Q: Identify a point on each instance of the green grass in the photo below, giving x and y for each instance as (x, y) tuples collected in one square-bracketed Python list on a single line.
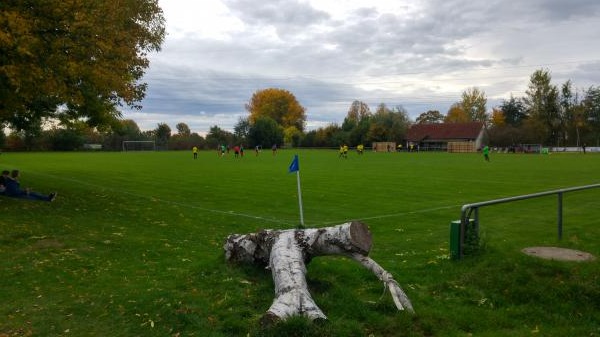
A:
[(132, 246)]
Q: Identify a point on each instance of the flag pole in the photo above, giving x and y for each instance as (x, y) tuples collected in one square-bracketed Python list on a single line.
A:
[(300, 200), (295, 167)]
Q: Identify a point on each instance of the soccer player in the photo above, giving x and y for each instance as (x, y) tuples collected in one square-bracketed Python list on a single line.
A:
[(360, 148), (486, 153), (195, 152)]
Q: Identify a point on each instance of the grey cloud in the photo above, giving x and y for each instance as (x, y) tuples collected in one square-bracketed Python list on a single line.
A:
[(565, 10), (467, 15), (587, 74), (284, 15), (327, 63), (209, 93)]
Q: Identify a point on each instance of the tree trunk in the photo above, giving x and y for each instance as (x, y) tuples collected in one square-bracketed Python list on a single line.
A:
[(285, 252)]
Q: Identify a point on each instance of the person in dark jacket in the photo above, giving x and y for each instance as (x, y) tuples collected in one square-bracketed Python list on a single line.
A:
[(3, 178), (13, 189)]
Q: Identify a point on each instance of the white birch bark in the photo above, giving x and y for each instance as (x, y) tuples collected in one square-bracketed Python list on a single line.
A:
[(289, 276), (285, 252), (400, 299)]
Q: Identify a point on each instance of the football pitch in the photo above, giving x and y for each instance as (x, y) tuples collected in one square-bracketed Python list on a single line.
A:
[(132, 246)]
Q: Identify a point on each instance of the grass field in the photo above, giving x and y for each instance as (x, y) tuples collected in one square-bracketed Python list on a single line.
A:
[(132, 246)]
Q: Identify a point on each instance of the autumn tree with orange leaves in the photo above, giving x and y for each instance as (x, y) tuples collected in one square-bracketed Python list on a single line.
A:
[(456, 114), (279, 105), (87, 56)]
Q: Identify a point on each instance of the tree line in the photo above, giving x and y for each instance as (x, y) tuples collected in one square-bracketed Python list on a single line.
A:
[(547, 114)]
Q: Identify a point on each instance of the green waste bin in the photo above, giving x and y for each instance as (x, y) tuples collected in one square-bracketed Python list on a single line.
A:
[(455, 240), (471, 239)]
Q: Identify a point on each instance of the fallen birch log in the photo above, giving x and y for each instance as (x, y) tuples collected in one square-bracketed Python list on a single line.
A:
[(286, 253)]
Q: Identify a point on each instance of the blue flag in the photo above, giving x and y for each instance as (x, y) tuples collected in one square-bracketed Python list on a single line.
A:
[(294, 166)]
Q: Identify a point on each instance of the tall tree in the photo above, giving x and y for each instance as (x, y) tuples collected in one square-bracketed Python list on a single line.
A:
[(358, 111), (292, 136), (567, 103), (591, 104), (541, 102), (184, 138), (514, 111), (330, 135), (356, 123), (265, 132), (75, 53), (359, 134), (456, 114), (217, 136), (162, 134), (279, 105), (474, 104), (129, 129), (430, 117), (95, 109), (122, 129), (388, 125), (183, 130), (241, 129), (497, 118)]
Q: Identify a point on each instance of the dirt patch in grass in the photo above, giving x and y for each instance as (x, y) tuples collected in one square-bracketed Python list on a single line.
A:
[(557, 253), (47, 243)]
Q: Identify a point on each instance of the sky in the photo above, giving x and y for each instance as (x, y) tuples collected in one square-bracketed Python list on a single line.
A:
[(416, 54)]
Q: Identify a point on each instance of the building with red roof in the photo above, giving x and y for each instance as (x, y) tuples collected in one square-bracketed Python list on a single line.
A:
[(436, 136)]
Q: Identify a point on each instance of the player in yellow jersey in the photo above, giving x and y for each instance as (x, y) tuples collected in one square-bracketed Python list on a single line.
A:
[(360, 149)]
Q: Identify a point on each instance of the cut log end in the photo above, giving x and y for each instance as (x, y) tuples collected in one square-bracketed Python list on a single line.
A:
[(361, 237), (269, 319)]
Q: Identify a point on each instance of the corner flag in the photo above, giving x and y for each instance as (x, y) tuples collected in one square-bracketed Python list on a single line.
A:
[(294, 166)]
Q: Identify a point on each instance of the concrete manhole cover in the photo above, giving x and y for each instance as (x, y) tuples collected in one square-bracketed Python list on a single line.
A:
[(556, 253)]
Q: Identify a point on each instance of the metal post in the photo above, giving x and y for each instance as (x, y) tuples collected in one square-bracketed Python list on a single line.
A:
[(300, 200), (560, 217), (477, 221), (467, 209), (461, 239)]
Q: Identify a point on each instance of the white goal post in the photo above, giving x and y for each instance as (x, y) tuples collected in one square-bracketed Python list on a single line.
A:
[(531, 148), (139, 145)]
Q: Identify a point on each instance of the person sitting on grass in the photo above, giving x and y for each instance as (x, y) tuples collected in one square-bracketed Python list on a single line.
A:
[(13, 189), (3, 179)]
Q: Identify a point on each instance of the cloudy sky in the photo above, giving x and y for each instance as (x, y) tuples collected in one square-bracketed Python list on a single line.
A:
[(418, 54)]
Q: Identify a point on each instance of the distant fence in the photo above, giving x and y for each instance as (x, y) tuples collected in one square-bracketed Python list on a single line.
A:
[(384, 146), (461, 147), (575, 149), (468, 209), (92, 146)]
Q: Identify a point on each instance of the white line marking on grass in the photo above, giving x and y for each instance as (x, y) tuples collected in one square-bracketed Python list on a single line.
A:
[(426, 210), (231, 213), (236, 214)]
